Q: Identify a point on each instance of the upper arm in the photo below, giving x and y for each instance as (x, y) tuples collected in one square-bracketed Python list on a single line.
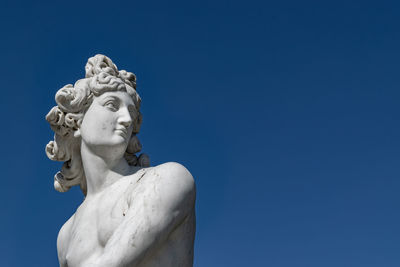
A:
[(158, 206), (177, 189), (168, 199)]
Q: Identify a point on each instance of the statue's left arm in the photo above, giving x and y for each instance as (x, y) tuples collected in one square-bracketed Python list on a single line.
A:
[(163, 205)]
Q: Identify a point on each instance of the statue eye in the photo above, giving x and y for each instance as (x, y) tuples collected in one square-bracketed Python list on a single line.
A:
[(111, 105)]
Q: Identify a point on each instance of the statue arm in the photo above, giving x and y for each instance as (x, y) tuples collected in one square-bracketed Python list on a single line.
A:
[(62, 240), (166, 202)]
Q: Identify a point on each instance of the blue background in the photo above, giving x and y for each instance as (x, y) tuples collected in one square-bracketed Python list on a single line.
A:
[(285, 112)]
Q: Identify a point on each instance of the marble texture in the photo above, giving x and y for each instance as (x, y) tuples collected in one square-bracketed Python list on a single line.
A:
[(132, 214)]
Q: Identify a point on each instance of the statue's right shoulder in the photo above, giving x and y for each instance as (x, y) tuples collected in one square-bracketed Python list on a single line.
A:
[(63, 240)]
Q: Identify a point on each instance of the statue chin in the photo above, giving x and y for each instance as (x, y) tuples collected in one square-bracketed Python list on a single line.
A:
[(108, 152), (132, 214)]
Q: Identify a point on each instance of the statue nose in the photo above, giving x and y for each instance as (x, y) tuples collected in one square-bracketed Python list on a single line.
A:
[(125, 118), (125, 123)]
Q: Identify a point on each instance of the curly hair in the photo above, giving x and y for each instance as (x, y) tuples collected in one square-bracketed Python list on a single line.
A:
[(73, 101)]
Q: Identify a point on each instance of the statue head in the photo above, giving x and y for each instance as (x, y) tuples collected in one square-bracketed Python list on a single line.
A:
[(73, 101)]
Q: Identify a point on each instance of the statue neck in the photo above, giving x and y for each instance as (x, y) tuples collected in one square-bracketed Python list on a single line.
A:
[(101, 172)]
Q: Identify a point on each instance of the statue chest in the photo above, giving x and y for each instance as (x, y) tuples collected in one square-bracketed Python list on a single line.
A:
[(93, 226)]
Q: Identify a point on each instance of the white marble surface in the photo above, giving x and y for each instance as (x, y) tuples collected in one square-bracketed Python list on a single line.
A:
[(132, 214)]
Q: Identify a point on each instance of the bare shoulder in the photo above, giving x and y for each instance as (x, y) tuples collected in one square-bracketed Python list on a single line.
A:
[(64, 231), (175, 184), (175, 176), (174, 172), (62, 239)]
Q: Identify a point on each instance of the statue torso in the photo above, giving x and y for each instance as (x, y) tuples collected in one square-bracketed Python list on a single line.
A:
[(87, 232)]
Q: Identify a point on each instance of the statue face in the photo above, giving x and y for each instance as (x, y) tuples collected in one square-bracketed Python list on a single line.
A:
[(107, 124)]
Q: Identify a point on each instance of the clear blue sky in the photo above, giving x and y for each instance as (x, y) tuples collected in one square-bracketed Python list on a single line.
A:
[(286, 113)]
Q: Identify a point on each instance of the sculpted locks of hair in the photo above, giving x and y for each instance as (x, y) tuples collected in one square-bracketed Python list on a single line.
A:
[(102, 75)]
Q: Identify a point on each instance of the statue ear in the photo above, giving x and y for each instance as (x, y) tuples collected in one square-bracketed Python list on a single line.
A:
[(77, 133)]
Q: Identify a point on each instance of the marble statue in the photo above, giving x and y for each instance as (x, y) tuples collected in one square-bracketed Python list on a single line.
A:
[(132, 214)]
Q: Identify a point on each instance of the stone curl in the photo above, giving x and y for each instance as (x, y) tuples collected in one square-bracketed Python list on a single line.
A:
[(102, 76)]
